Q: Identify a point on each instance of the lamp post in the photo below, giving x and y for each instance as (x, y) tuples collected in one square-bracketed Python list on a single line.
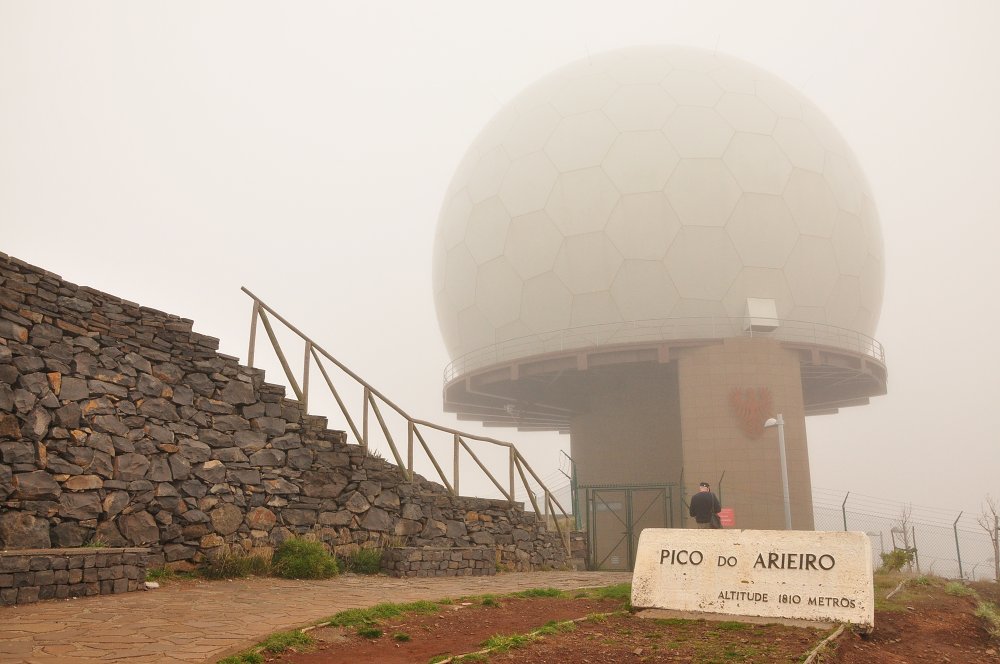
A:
[(779, 422)]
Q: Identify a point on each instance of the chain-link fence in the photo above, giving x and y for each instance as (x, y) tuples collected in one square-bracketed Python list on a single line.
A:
[(947, 543)]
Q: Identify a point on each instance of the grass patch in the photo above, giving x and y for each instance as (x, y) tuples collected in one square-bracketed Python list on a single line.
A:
[(554, 627), (474, 657), (379, 612), (672, 622), (989, 612), (243, 658), (958, 589), (597, 617), (229, 565), (300, 559), (622, 591), (732, 626), (490, 600), (402, 637), (538, 592), (503, 643), (366, 560), (96, 543), (282, 641), (369, 632), (274, 645)]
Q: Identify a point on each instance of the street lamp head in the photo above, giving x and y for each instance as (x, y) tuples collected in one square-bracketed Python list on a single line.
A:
[(771, 422)]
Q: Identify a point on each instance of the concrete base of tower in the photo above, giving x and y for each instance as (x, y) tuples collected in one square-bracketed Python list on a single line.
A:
[(698, 419)]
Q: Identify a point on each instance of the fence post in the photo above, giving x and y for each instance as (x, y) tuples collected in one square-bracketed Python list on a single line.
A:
[(511, 450), (996, 557), (409, 448), (843, 510), (958, 551)]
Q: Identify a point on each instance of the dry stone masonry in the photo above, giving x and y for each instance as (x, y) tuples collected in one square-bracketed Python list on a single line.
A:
[(120, 424), (28, 575)]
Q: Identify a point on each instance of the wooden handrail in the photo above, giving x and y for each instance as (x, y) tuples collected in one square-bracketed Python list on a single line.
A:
[(518, 466)]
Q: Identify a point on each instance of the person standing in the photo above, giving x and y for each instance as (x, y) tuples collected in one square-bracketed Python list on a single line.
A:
[(705, 507)]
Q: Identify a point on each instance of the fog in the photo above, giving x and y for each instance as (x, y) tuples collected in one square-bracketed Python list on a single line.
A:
[(170, 153)]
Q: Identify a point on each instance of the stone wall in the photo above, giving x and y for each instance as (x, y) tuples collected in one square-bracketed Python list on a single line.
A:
[(32, 574), (119, 423), (432, 561)]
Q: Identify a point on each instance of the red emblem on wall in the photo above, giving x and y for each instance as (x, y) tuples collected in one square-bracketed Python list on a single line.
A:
[(752, 406)]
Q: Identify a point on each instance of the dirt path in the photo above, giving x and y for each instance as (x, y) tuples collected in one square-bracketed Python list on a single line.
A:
[(923, 623)]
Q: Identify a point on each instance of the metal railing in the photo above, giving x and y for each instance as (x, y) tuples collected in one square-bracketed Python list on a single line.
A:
[(656, 330), (517, 465)]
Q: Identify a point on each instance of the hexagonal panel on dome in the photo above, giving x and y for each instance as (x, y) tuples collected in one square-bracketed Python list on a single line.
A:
[(640, 161), (872, 280), (581, 141), (703, 263), (734, 78), (695, 308), (844, 302), (587, 263), (746, 112), (779, 96), (528, 184), (533, 242), (849, 244), (487, 175), (757, 163), (459, 277), (586, 93), (692, 88), (486, 233), (582, 201), (840, 174), (475, 329), (812, 271), (531, 131), (642, 290), (498, 292), (762, 283), (593, 309), (643, 225), (800, 144), (698, 132), (703, 192), (545, 303), (639, 107), (809, 198), (454, 218), (763, 230)]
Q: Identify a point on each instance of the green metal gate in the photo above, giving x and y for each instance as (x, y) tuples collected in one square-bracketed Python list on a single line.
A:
[(616, 514)]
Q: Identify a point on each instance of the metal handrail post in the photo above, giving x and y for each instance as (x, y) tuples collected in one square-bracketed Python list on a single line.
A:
[(511, 462), (409, 448), (364, 421), (843, 510), (253, 333), (305, 377), (458, 441)]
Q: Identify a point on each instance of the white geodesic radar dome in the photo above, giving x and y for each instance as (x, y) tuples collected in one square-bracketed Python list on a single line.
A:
[(654, 183)]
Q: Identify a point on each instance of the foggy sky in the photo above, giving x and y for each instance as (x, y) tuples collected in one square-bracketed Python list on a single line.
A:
[(171, 152)]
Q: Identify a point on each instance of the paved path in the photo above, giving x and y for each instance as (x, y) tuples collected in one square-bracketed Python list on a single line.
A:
[(199, 621)]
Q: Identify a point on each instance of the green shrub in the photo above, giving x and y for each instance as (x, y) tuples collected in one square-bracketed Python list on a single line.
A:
[(989, 612), (897, 559), (300, 559), (369, 632), (366, 560), (401, 637), (229, 565), (958, 589)]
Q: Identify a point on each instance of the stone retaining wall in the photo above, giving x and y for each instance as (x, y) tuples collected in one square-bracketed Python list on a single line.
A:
[(118, 423), (32, 574), (433, 561)]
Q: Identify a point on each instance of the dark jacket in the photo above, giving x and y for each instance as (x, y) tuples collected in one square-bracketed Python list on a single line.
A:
[(703, 505)]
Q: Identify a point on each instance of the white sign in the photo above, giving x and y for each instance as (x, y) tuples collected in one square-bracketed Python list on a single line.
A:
[(821, 576)]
